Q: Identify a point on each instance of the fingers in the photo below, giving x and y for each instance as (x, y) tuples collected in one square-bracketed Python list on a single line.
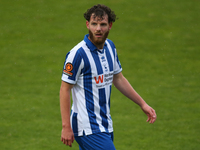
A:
[(152, 116), (67, 136), (68, 142), (149, 118)]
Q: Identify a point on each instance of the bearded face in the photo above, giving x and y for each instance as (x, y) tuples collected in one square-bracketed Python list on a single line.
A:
[(98, 30), (98, 38)]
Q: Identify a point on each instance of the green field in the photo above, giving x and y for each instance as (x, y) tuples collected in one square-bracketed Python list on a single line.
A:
[(158, 44)]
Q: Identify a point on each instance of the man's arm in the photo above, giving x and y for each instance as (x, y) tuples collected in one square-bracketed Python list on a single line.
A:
[(67, 136), (122, 84)]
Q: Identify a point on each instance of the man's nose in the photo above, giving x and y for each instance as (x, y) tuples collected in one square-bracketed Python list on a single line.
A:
[(98, 27)]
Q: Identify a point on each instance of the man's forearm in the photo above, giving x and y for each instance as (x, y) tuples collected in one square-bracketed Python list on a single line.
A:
[(122, 84), (67, 135), (65, 105)]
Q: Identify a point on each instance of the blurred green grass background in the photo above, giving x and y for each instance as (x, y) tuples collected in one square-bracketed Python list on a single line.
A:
[(159, 49)]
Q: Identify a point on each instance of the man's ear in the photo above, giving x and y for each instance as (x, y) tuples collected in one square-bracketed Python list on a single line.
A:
[(110, 25), (87, 24)]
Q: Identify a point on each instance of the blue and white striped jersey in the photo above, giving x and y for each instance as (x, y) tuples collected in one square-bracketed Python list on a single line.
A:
[(91, 71)]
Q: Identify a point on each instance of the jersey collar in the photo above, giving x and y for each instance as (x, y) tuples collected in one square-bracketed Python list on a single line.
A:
[(90, 45)]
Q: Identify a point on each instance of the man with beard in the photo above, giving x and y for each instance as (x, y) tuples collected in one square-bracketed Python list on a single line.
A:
[(89, 71)]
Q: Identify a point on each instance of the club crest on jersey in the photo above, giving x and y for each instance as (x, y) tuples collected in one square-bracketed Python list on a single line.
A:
[(68, 68)]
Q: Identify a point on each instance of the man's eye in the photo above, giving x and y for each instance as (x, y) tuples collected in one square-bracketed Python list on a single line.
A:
[(103, 24)]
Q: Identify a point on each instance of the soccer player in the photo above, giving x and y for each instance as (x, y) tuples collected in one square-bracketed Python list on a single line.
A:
[(89, 71)]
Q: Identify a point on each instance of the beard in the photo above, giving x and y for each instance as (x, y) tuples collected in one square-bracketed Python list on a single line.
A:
[(98, 40)]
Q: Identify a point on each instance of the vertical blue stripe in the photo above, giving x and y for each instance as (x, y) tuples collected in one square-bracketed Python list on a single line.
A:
[(65, 61), (76, 63), (109, 58), (109, 96), (102, 93), (114, 53), (97, 62), (103, 110), (118, 62), (89, 93), (74, 123), (112, 46)]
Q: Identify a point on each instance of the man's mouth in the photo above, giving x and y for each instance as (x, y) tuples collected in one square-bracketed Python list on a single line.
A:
[(98, 35)]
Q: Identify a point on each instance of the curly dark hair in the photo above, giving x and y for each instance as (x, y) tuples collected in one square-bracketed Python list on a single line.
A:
[(100, 10)]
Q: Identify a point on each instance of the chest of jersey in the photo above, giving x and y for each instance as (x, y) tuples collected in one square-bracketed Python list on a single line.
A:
[(99, 68)]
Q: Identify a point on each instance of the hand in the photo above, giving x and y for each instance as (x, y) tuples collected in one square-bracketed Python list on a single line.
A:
[(150, 112), (67, 136)]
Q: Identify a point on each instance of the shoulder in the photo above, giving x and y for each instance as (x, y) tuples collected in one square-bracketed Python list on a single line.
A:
[(77, 50), (78, 47), (108, 41)]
